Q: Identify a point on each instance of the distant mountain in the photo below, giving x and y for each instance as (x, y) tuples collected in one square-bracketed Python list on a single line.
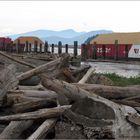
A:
[(81, 38), (47, 33), (65, 36)]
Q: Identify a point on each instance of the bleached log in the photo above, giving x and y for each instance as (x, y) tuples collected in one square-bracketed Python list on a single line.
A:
[(42, 113), (134, 119), (38, 87), (17, 60), (110, 92), (19, 98), (34, 93), (15, 129), (8, 81), (38, 69), (33, 105), (37, 94), (87, 75), (76, 70), (60, 62), (68, 74), (126, 102), (43, 129), (117, 112)]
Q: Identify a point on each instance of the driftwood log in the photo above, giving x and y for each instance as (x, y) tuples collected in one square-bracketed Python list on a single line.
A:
[(33, 93), (17, 60), (8, 81), (15, 129), (110, 92), (68, 74), (75, 70), (37, 87), (60, 63), (42, 113), (87, 75), (117, 113), (41, 132), (38, 70), (33, 105), (23, 95)]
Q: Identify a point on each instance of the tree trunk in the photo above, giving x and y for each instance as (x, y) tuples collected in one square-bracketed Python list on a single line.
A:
[(42, 113), (37, 94), (76, 70), (126, 102), (19, 98), (38, 87), (7, 81), (38, 70), (110, 92), (102, 108), (14, 129), (68, 74), (33, 105), (87, 75), (43, 129), (60, 63), (17, 60), (33, 93)]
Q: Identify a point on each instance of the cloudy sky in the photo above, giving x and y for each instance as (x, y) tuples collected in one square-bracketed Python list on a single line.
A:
[(24, 16)]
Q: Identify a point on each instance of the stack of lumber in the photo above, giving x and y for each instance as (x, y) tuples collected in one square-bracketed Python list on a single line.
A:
[(33, 112)]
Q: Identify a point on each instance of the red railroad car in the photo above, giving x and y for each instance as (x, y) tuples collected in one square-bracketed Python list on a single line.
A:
[(113, 46), (5, 44)]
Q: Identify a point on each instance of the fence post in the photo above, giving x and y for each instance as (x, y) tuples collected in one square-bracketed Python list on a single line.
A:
[(75, 48), (104, 51), (35, 46), (84, 52), (52, 48), (126, 52), (40, 46), (59, 47), (95, 51), (17, 46), (66, 48), (46, 47), (116, 50), (26, 48), (30, 49)]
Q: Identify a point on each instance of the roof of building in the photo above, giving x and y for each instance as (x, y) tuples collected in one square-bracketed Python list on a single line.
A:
[(30, 39), (123, 38)]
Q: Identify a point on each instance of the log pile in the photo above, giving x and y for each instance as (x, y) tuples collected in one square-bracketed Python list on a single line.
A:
[(64, 105)]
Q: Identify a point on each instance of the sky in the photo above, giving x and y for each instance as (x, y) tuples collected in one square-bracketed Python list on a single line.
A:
[(23, 16)]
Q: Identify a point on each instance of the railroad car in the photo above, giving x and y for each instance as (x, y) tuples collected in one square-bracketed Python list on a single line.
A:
[(5, 44), (113, 46)]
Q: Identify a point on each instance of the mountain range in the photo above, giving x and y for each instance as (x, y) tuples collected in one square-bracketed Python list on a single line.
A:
[(65, 36)]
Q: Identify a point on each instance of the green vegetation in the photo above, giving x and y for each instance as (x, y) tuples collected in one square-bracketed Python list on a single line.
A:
[(123, 81)]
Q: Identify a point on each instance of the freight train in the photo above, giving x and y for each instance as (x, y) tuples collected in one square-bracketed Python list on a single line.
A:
[(106, 46), (21, 44), (113, 46), (5, 44)]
